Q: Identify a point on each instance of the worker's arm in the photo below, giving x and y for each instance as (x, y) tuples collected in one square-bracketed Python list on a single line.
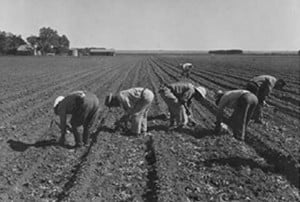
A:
[(63, 123), (188, 93), (221, 107)]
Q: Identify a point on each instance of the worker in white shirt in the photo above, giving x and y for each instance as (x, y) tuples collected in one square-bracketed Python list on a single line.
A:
[(136, 102), (243, 103), (262, 87), (186, 69), (84, 109), (178, 96)]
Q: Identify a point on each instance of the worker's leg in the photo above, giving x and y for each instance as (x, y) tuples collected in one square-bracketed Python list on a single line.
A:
[(144, 121), (141, 109), (136, 122), (183, 118), (172, 103), (172, 117), (77, 137), (90, 124), (252, 108), (237, 118)]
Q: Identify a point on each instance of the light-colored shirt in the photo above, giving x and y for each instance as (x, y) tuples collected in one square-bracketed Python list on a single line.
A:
[(129, 98), (183, 91), (259, 80), (187, 66)]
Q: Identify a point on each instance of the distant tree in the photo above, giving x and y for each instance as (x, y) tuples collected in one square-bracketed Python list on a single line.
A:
[(231, 51), (9, 43), (49, 41), (64, 45), (299, 52), (2, 42), (33, 40)]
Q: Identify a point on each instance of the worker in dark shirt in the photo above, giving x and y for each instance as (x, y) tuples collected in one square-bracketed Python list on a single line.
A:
[(84, 109), (243, 103)]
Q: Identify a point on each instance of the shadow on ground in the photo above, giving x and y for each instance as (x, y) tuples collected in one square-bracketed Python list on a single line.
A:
[(22, 146), (237, 162)]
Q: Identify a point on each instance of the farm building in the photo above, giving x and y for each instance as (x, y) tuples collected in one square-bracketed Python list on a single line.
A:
[(25, 50), (101, 52), (74, 52)]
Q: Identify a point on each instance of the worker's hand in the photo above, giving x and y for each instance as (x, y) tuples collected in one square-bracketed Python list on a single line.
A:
[(122, 123), (181, 101), (265, 104), (188, 112), (217, 128)]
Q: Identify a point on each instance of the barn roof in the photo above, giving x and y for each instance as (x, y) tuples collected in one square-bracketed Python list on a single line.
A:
[(24, 47)]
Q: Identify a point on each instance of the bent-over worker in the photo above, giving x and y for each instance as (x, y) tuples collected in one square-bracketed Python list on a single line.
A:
[(84, 109), (136, 103), (243, 103), (178, 97), (186, 69), (262, 87)]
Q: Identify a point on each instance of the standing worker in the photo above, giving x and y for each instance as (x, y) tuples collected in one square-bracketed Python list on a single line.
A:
[(84, 108), (136, 103), (243, 103), (186, 69), (262, 87), (178, 97)]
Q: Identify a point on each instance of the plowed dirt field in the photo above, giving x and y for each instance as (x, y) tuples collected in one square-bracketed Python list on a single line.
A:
[(185, 165)]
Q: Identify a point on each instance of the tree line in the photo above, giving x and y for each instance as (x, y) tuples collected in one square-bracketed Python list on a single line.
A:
[(47, 41)]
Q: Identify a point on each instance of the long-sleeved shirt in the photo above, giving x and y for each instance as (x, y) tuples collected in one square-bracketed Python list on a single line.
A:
[(129, 99), (183, 91), (186, 66), (78, 104), (229, 99), (260, 80)]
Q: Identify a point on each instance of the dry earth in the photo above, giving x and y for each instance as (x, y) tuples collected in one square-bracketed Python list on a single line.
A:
[(185, 165)]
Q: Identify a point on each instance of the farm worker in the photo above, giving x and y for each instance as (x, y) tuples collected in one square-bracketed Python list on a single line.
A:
[(186, 69), (262, 87), (83, 107), (178, 96), (243, 102), (136, 103)]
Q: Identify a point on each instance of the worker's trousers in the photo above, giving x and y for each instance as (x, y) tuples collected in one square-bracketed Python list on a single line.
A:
[(139, 119), (243, 112), (178, 114)]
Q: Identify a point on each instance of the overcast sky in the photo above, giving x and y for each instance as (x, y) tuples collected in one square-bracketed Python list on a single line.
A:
[(160, 24)]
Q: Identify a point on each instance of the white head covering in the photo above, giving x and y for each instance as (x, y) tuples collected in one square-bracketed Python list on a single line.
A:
[(219, 94), (58, 100), (201, 90)]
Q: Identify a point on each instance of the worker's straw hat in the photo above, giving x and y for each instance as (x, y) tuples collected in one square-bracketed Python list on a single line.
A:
[(201, 90), (108, 100), (58, 100)]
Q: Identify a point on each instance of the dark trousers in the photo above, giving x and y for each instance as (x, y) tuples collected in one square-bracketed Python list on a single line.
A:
[(259, 92), (86, 115), (243, 112)]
